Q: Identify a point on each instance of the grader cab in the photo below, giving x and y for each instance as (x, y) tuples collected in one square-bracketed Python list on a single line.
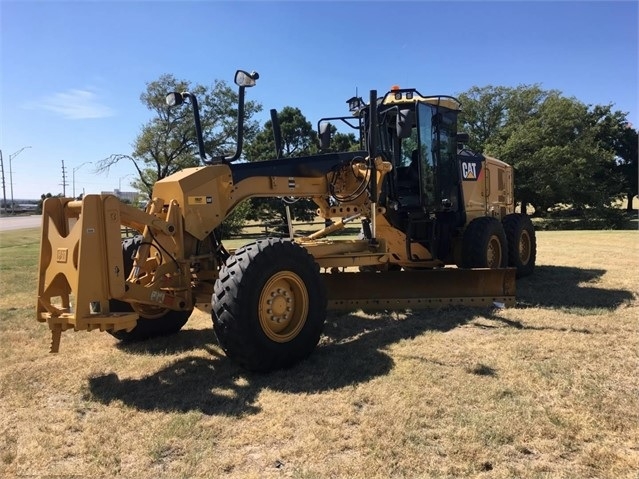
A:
[(437, 223)]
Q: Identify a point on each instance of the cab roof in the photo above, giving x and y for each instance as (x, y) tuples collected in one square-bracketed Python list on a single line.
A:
[(398, 96)]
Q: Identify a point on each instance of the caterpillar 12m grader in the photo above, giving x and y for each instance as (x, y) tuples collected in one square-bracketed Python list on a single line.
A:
[(438, 228)]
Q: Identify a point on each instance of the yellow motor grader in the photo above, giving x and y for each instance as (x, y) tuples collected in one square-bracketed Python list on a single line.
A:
[(437, 225)]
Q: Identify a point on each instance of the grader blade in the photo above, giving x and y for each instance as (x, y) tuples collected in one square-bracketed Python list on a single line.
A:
[(420, 289)]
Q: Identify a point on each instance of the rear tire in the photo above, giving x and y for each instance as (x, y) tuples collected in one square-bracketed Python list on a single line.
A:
[(269, 305), (522, 243), (484, 244), (153, 322)]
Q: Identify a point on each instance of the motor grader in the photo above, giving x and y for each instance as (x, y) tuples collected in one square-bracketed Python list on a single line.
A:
[(437, 228)]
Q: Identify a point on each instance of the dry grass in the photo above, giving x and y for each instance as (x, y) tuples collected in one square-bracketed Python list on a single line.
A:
[(547, 389)]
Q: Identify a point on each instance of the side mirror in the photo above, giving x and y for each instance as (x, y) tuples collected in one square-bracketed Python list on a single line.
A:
[(404, 123), (174, 99), (325, 136), (245, 79)]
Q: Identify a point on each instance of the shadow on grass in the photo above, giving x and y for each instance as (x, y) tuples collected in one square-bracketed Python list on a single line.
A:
[(569, 289), (186, 340), (351, 352)]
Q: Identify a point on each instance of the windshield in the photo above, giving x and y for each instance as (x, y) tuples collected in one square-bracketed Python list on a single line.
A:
[(426, 146)]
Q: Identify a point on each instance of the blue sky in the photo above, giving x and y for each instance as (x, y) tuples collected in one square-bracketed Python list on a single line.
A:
[(72, 72)]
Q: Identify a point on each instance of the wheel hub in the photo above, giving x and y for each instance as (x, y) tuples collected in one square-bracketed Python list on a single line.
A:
[(283, 306), (524, 247), (493, 254)]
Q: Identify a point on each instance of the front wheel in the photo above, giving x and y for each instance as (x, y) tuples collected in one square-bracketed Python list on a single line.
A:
[(269, 305), (153, 321), (522, 243)]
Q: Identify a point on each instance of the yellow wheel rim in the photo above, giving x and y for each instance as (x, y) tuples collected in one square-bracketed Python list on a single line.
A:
[(494, 252), (283, 306), (524, 247)]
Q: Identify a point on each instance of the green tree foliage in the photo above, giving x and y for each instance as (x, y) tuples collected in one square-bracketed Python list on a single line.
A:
[(43, 197), (561, 149), (167, 142), (628, 156), (234, 222), (615, 133), (484, 114), (344, 142)]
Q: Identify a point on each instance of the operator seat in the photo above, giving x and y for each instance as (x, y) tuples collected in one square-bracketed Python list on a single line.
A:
[(408, 181)]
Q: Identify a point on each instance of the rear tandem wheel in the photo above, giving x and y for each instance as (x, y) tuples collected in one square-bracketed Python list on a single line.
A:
[(269, 305), (522, 243), (484, 244)]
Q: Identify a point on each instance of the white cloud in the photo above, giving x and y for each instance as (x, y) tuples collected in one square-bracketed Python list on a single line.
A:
[(74, 104)]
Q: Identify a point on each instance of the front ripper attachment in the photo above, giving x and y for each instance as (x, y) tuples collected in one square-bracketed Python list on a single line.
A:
[(81, 266)]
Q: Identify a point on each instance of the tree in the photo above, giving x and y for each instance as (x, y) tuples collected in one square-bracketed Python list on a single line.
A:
[(627, 163), (484, 113), (616, 134), (167, 143), (344, 142)]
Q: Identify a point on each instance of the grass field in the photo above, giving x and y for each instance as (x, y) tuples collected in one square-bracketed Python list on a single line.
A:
[(544, 390)]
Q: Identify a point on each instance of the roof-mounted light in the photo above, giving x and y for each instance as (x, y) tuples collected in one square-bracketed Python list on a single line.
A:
[(355, 104)]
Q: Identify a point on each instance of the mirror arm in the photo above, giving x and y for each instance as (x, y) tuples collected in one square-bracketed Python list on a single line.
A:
[(277, 133), (240, 128), (198, 125)]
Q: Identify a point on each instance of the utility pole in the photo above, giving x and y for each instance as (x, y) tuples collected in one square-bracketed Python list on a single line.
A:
[(64, 180), (4, 190), (11, 156)]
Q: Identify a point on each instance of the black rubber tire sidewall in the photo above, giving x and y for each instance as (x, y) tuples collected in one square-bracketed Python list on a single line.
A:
[(514, 225), (236, 301)]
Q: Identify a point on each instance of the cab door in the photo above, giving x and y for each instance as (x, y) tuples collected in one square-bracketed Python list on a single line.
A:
[(439, 169)]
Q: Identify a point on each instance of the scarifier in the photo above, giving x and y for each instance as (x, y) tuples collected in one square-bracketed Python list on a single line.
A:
[(438, 228)]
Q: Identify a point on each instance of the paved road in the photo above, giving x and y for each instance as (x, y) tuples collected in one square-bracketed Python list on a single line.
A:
[(20, 222)]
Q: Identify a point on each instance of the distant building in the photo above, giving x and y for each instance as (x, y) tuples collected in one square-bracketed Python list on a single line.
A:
[(129, 196)]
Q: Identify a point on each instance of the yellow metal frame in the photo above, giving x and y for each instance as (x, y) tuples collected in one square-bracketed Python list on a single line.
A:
[(81, 263)]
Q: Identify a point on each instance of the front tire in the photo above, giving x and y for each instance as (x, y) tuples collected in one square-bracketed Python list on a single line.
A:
[(522, 243), (269, 305), (484, 244), (153, 321)]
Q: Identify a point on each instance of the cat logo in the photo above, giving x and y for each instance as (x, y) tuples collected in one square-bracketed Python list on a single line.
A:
[(470, 170)]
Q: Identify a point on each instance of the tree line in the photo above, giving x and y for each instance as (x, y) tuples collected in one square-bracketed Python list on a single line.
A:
[(563, 151)]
